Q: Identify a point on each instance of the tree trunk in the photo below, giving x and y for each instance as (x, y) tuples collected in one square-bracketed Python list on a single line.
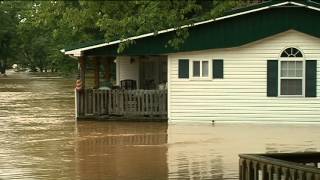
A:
[(3, 64), (33, 68)]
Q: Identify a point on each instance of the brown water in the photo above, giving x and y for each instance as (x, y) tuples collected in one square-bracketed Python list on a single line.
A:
[(39, 139)]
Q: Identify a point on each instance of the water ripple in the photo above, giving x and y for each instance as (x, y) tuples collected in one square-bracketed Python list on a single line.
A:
[(39, 139)]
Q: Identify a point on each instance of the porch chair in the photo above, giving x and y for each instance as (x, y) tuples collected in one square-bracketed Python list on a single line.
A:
[(128, 84)]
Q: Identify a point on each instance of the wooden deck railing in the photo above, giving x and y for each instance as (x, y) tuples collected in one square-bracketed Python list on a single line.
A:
[(282, 166), (128, 103)]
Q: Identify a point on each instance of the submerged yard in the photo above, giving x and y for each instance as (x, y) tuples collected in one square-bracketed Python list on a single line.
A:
[(40, 139)]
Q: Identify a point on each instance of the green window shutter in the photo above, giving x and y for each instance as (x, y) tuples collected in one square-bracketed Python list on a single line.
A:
[(311, 78), (217, 68), (183, 68), (272, 78)]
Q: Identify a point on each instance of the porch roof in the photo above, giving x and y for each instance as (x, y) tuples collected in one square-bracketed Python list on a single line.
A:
[(234, 28)]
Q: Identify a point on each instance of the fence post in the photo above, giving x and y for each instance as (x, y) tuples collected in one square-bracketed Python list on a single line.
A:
[(76, 103)]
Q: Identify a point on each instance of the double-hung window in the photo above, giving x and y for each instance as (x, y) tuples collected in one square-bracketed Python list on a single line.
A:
[(291, 75), (200, 68)]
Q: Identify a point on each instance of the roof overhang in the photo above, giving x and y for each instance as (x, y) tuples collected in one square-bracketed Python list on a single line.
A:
[(79, 51)]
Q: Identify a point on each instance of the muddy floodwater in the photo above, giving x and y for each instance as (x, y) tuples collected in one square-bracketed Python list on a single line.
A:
[(39, 139)]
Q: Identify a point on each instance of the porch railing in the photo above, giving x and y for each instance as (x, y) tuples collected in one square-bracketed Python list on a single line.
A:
[(128, 103), (282, 166)]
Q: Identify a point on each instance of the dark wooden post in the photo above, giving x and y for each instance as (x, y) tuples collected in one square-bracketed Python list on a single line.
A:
[(107, 73), (96, 62), (80, 93), (82, 69)]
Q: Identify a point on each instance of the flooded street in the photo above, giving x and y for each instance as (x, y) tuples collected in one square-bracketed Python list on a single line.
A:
[(39, 139)]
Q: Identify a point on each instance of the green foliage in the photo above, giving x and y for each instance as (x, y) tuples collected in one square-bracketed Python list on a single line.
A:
[(8, 19), (33, 32)]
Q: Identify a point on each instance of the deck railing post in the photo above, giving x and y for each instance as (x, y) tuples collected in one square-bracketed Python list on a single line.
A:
[(143, 101), (286, 173), (265, 175), (241, 173), (121, 102), (102, 106), (113, 105), (249, 174), (109, 102), (309, 176), (301, 175), (244, 169), (76, 103), (293, 174), (94, 102), (270, 171), (255, 170), (85, 101), (278, 172)]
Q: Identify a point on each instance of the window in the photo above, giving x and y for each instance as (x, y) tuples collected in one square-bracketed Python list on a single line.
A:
[(200, 68), (183, 67), (205, 68), (196, 68), (291, 52), (291, 72), (217, 69)]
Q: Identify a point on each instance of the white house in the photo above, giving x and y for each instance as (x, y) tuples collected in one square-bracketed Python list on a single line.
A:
[(258, 63)]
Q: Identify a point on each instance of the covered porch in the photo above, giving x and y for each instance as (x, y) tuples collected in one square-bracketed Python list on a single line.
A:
[(122, 88)]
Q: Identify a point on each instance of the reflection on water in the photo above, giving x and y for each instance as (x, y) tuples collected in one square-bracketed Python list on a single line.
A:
[(122, 150), (40, 140)]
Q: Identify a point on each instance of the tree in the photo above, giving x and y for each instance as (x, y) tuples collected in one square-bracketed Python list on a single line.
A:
[(34, 32), (122, 19), (9, 21)]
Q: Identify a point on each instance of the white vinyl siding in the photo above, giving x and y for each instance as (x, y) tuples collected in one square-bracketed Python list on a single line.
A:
[(241, 95)]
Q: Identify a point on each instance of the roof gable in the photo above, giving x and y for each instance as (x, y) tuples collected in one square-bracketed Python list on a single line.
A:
[(236, 28)]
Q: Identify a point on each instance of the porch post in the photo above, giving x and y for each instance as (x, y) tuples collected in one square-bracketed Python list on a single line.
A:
[(96, 62), (107, 62), (82, 69), (107, 69), (79, 90)]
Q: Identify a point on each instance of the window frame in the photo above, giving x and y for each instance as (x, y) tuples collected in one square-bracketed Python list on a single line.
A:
[(291, 59), (201, 62)]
